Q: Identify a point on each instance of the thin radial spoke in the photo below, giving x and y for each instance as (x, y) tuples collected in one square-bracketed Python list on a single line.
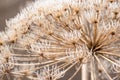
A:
[(109, 53), (18, 48), (106, 43), (75, 72), (71, 66), (20, 64), (95, 32), (25, 55), (103, 68), (64, 65), (43, 63), (57, 38), (20, 72), (104, 37), (48, 62), (111, 61), (37, 67)]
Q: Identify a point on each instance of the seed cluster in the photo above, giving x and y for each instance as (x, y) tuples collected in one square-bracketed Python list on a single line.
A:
[(49, 38)]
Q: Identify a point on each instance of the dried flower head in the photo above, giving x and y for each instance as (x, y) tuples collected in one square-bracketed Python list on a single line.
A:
[(52, 38)]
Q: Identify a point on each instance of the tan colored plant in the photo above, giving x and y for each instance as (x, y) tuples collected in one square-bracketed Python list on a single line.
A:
[(50, 39)]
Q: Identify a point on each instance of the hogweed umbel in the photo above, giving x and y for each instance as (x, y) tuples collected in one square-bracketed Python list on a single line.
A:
[(48, 39)]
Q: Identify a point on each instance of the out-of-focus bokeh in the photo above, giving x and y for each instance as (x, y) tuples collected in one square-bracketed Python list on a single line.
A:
[(10, 8)]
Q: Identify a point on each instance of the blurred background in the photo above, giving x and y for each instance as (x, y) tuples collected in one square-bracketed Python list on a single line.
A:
[(10, 8)]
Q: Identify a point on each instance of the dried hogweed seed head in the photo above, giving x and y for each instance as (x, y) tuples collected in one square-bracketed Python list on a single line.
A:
[(52, 37)]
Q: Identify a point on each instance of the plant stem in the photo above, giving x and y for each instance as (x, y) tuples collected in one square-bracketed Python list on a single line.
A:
[(84, 72)]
